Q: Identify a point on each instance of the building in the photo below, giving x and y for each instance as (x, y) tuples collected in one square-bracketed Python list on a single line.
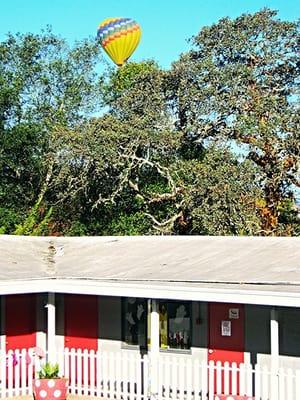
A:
[(196, 299)]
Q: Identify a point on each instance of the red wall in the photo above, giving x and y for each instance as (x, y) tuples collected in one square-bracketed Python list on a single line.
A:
[(81, 322), (20, 321)]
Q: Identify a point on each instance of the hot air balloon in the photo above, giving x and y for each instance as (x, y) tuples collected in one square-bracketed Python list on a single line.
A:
[(119, 37)]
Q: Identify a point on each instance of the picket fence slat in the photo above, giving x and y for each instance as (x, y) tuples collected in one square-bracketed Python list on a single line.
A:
[(242, 383), (10, 373), (85, 378), (196, 379), (29, 367), (204, 380), (67, 364), (3, 374), (138, 366), (249, 380), (160, 380), (265, 383), (98, 376), (167, 376), (73, 371), (18, 356), (92, 373), (218, 375), (257, 382), (181, 363), (146, 379), (189, 383), (234, 379), (290, 386), (297, 389), (226, 373), (174, 378), (79, 371), (211, 380)]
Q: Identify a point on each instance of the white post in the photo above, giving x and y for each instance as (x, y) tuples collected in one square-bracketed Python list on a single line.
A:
[(274, 338), (2, 321), (154, 353), (51, 328), (274, 329)]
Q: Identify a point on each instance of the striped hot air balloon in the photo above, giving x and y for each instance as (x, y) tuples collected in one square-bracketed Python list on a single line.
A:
[(119, 37)]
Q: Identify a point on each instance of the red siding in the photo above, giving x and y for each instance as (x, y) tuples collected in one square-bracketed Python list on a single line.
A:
[(20, 321), (226, 348), (81, 322)]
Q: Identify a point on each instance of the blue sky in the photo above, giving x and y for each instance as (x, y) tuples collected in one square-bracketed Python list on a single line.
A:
[(166, 24)]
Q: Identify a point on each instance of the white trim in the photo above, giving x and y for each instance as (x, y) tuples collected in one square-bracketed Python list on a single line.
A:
[(274, 331), (154, 352), (155, 290), (41, 335), (3, 323), (154, 332), (51, 328)]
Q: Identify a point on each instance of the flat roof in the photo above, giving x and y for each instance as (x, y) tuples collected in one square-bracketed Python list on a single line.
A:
[(155, 266)]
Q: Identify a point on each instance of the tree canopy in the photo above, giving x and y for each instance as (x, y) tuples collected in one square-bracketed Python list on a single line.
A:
[(210, 146), (240, 86)]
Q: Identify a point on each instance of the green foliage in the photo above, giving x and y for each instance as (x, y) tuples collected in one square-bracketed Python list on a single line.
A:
[(45, 81), (9, 218), (128, 224), (21, 152), (135, 94), (222, 195), (289, 216), (43, 84), (34, 224), (163, 158), (240, 86), (122, 79), (77, 228), (49, 371)]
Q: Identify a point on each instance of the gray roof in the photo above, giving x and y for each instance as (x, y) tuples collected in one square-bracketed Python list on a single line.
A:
[(195, 262), (163, 258)]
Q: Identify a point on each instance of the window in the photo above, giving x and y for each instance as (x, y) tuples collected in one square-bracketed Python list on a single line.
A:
[(134, 321), (175, 324)]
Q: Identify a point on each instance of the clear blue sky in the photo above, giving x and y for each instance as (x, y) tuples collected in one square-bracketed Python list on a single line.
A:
[(166, 24)]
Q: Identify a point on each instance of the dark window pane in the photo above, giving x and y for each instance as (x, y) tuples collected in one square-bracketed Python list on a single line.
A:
[(175, 324), (134, 321)]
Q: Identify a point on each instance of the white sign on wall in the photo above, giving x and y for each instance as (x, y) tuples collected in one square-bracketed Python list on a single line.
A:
[(234, 313), (226, 328)]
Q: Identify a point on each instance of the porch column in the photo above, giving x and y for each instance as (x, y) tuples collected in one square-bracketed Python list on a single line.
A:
[(154, 353), (51, 348), (274, 339), (274, 330), (2, 322)]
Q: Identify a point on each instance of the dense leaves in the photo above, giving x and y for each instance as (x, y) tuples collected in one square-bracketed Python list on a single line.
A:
[(240, 85), (210, 146)]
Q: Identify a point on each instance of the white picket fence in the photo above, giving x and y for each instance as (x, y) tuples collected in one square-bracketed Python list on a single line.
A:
[(130, 376), (17, 370)]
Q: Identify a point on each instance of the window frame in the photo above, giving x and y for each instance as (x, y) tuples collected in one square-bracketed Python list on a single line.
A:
[(126, 345), (147, 339), (190, 309)]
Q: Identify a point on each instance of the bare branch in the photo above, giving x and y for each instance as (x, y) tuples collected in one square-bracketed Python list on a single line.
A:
[(165, 226)]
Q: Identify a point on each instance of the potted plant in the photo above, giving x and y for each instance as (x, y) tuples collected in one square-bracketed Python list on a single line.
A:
[(49, 384)]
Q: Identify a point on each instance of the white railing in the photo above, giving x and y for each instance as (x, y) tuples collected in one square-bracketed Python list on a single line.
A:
[(17, 371), (106, 375), (131, 376)]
